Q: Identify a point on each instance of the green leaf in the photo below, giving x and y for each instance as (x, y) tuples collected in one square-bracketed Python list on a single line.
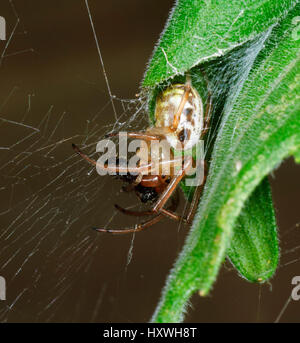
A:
[(258, 130), (199, 31), (297, 156), (254, 248)]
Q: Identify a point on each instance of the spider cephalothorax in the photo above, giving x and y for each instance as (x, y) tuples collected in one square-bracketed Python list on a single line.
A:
[(180, 120)]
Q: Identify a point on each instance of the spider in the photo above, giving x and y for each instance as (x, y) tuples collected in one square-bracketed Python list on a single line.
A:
[(180, 120)]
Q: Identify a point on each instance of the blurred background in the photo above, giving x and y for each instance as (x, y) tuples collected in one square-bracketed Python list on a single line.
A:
[(53, 93)]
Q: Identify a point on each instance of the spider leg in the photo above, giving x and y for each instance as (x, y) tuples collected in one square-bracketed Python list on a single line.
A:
[(143, 169), (196, 198), (175, 202), (168, 213), (138, 135), (114, 169), (207, 115), (181, 106), (173, 215), (143, 225), (133, 213), (172, 186), (192, 210), (208, 106), (193, 206), (137, 228)]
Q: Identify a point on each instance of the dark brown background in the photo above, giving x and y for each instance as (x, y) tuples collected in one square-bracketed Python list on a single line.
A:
[(75, 274)]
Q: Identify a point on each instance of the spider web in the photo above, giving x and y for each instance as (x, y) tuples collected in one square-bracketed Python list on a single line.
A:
[(46, 192), (55, 266)]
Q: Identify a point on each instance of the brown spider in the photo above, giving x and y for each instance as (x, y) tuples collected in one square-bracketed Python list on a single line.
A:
[(181, 121)]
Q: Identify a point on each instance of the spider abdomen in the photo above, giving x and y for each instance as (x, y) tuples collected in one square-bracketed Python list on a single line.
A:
[(190, 125)]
